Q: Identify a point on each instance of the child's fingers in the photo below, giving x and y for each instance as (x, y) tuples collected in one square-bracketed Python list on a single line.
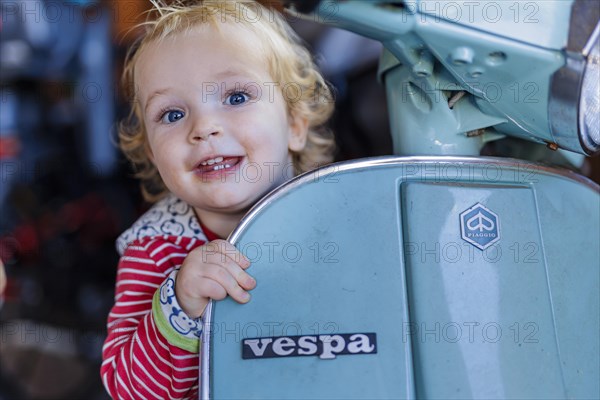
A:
[(221, 275), (228, 250), (237, 272), (243, 278), (212, 289)]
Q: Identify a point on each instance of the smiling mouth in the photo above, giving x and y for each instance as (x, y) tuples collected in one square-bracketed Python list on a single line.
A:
[(218, 164)]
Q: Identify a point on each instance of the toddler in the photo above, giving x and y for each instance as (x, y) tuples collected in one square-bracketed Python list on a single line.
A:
[(226, 105)]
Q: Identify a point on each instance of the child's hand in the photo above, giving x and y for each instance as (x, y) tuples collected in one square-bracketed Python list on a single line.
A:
[(212, 271)]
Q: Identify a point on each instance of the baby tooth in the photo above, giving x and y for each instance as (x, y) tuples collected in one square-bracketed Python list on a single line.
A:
[(215, 161)]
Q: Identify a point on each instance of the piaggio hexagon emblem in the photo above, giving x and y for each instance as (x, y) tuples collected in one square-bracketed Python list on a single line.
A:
[(480, 226)]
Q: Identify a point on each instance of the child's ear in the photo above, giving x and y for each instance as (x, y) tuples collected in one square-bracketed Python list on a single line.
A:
[(298, 132)]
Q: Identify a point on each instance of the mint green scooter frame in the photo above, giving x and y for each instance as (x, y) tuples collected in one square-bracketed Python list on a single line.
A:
[(435, 49), (384, 246)]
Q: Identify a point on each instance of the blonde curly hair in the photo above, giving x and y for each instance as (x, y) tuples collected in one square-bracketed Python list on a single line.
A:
[(289, 62)]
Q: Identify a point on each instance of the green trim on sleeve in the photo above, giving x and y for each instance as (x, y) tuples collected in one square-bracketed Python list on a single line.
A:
[(173, 337)]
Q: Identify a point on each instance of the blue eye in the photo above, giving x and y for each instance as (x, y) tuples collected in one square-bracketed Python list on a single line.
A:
[(172, 116), (237, 98)]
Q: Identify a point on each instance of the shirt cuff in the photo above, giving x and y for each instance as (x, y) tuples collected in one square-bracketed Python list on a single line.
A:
[(174, 324)]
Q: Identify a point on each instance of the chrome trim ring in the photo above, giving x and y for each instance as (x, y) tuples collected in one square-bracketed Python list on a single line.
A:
[(589, 101), (205, 352), (573, 103)]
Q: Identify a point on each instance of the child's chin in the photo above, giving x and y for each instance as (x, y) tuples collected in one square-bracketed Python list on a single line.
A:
[(232, 200)]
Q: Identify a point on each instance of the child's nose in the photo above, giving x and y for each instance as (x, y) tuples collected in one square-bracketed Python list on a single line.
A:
[(202, 131)]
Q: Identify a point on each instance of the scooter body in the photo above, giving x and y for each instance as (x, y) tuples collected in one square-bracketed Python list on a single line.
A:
[(437, 277), (445, 275)]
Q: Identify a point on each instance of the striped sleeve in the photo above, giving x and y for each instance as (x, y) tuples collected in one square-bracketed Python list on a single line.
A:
[(142, 356)]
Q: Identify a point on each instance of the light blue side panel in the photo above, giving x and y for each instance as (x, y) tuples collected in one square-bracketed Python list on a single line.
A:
[(320, 271), (377, 247), (481, 320)]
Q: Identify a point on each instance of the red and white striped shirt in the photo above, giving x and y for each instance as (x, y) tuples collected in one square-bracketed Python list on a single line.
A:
[(152, 347)]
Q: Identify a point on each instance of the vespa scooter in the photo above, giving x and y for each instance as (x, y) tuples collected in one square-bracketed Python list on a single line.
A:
[(434, 273)]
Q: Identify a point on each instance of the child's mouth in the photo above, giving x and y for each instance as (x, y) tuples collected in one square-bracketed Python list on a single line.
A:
[(217, 166)]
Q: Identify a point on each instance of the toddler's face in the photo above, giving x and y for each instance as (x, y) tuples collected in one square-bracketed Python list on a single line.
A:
[(217, 124)]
